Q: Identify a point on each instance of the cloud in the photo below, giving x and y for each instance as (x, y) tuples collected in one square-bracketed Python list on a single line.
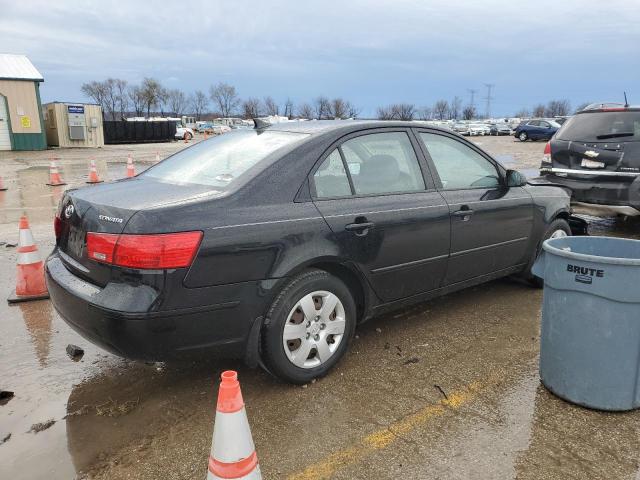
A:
[(372, 52)]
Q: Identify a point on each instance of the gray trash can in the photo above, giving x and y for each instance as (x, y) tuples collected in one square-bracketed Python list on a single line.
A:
[(590, 338)]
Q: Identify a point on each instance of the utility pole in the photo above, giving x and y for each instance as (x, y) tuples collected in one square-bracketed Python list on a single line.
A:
[(473, 94), (488, 98)]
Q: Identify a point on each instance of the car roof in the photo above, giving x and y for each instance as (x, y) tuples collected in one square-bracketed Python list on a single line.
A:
[(325, 126)]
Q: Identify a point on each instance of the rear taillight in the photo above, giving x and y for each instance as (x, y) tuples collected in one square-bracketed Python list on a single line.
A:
[(547, 153), (57, 226), (161, 251)]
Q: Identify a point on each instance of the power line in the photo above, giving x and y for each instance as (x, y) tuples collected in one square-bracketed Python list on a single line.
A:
[(473, 94), (488, 98)]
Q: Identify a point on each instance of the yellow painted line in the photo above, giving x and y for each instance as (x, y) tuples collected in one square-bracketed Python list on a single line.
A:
[(384, 437)]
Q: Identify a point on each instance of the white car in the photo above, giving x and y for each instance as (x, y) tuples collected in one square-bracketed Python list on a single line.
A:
[(478, 129), (183, 133)]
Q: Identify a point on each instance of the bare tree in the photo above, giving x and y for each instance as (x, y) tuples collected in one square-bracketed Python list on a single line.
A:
[(440, 109), (177, 101), (134, 92), (322, 107), (251, 108), (403, 111), (454, 108), (385, 113), (288, 108), (582, 106), (96, 91), (469, 112), (305, 111), (558, 108), (122, 97), (339, 108), (225, 98), (425, 113), (538, 110), (270, 106), (199, 102), (352, 110), (152, 93), (522, 113)]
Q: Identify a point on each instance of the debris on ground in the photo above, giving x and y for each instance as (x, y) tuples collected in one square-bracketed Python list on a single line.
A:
[(10, 245), (80, 411), (442, 392), (115, 409), (39, 427), (379, 330), (411, 360), (5, 396), (387, 346), (75, 352), (5, 439)]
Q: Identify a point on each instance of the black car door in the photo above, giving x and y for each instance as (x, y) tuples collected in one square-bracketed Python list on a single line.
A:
[(490, 223), (385, 214)]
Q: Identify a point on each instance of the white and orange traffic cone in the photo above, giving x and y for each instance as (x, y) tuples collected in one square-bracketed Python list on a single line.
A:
[(233, 454), (3, 187), (30, 284), (93, 173), (54, 175), (131, 171)]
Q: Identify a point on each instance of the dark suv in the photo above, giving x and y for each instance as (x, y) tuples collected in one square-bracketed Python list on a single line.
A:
[(275, 243), (596, 154)]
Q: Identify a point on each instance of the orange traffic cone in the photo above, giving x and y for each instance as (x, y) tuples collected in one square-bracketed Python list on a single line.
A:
[(157, 157), (205, 134), (233, 454), (54, 176), (131, 171), (93, 173), (2, 185), (30, 283), (186, 138)]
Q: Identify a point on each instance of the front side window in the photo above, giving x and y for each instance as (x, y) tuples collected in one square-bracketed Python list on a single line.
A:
[(220, 162), (331, 178), (459, 166), (383, 163)]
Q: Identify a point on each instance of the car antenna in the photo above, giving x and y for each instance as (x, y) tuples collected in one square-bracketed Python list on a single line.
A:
[(626, 102), (260, 124)]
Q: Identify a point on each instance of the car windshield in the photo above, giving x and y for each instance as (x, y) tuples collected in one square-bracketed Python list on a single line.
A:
[(599, 126), (220, 161)]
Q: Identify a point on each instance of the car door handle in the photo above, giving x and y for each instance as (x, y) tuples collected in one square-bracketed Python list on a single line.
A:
[(360, 226), (465, 213)]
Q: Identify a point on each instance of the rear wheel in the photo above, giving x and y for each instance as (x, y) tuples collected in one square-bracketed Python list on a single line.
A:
[(523, 137), (559, 228), (309, 327)]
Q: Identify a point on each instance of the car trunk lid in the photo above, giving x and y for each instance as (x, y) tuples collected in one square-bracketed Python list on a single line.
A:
[(107, 208)]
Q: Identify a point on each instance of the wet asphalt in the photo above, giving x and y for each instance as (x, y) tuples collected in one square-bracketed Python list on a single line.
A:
[(448, 389)]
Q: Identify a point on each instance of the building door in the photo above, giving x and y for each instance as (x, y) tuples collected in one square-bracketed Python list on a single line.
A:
[(5, 138)]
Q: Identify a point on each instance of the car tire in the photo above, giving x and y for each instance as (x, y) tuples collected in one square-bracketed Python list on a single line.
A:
[(558, 228), (187, 136), (308, 335), (523, 137)]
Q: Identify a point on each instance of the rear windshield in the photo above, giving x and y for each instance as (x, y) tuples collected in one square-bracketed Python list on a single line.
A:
[(220, 161), (602, 126)]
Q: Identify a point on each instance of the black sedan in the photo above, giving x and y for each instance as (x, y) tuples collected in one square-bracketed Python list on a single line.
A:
[(273, 244)]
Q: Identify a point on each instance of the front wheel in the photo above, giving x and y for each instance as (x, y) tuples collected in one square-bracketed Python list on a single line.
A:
[(308, 327), (559, 228), (523, 137)]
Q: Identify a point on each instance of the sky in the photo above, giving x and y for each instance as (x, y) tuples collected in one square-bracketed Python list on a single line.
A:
[(371, 53)]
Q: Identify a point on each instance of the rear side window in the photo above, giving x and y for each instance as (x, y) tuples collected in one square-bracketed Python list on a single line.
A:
[(459, 166), (331, 178), (383, 163), (220, 161), (602, 126)]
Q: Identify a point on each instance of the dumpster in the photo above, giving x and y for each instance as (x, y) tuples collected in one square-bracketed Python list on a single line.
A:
[(590, 335)]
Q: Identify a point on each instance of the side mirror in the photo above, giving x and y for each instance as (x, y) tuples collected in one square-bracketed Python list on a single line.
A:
[(515, 179)]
